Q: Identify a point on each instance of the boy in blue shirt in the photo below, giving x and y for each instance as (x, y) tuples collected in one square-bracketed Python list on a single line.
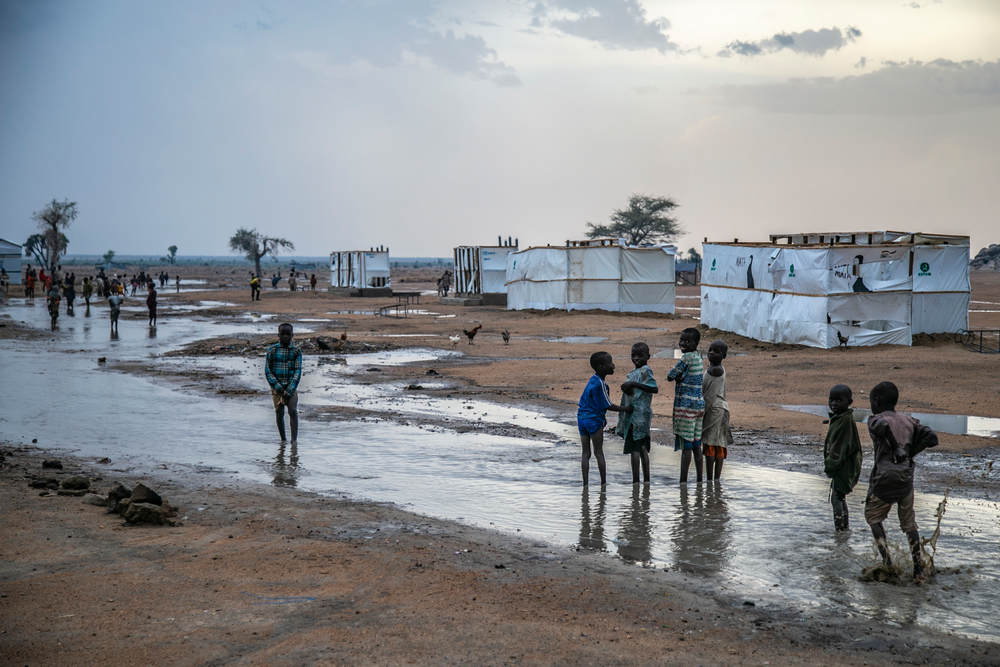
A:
[(590, 419)]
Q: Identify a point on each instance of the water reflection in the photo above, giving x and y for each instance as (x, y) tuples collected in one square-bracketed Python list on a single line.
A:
[(700, 535), (592, 521), (635, 538), (152, 332), (286, 473)]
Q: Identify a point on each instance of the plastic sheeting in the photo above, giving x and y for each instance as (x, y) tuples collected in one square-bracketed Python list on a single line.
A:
[(809, 295), (359, 269), (615, 278), (481, 269)]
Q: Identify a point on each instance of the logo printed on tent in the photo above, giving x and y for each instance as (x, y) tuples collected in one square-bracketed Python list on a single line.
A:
[(925, 269), (713, 265), (791, 270)]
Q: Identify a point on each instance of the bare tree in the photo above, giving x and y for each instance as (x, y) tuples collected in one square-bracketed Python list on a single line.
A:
[(253, 245), (646, 220), (35, 246), (172, 256), (52, 220)]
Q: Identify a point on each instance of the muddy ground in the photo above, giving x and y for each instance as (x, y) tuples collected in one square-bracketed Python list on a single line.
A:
[(273, 576), (386, 586)]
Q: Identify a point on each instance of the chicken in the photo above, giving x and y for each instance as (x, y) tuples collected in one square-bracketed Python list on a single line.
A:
[(842, 340), (455, 340), (343, 336), (471, 333), (506, 336), (321, 344)]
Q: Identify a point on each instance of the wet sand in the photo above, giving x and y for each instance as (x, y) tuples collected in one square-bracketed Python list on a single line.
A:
[(553, 605), (376, 585)]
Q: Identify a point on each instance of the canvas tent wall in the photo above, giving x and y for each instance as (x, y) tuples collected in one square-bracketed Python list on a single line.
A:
[(871, 287), (603, 274), (359, 269), (10, 260), (481, 270)]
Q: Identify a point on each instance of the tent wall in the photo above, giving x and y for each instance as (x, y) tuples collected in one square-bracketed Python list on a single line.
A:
[(608, 277), (12, 265), (871, 294)]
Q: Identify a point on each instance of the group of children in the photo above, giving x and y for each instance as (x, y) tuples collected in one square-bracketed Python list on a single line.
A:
[(702, 433), (701, 414)]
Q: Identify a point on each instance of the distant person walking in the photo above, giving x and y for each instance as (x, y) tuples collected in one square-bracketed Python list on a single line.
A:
[(312, 282), (254, 287), (177, 283), (274, 281), (283, 370), (88, 291), (151, 304), (292, 283), (115, 300)]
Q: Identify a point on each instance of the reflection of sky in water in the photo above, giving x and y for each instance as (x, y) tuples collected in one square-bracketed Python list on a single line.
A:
[(759, 527), (987, 427)]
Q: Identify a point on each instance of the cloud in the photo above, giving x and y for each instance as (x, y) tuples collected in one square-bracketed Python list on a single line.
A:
[(614, 24), (810, 42), (392, 33), (896, 89), (18, 17), (267, 21)]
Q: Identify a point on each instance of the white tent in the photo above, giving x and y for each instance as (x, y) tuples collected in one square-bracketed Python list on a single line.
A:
[(359, 269), (481, 270), (603, 274), (870, 287), (10, 260)]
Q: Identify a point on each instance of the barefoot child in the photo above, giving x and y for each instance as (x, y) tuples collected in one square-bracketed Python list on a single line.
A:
[(637, 392), (689, 406), (590, 419), (896, 439), (841, 453), (283, 370), (716, 434)]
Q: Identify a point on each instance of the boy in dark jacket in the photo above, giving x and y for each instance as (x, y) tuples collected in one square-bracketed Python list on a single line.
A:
[(841, 453), (896, 438)]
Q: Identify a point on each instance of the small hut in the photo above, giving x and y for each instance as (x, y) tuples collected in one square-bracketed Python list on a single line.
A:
[(361, 272), (10, 260), (817, 289), (481, 273)]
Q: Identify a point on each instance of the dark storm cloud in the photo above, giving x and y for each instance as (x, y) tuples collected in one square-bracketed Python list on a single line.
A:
[(614, 24), (382, 33), (810, 42), (896, 89)]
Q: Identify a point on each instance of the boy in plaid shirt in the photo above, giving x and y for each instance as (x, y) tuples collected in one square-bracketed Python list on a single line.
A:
[(283, 370)]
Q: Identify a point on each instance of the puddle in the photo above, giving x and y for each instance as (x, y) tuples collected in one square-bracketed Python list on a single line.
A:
[(986, 427), (759, 528), (578, 339), (350, 312), (407, 335)]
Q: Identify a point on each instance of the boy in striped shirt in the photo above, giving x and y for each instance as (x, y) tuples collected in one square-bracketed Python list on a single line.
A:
[(283, 370)]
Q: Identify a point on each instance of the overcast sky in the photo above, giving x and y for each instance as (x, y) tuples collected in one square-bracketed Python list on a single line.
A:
[(423, 125)]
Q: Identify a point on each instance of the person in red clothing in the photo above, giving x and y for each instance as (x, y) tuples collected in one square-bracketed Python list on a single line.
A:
[(151, 304)]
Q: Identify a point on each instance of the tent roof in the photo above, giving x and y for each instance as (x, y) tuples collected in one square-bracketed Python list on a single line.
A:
[(9, 248), (871, 239)]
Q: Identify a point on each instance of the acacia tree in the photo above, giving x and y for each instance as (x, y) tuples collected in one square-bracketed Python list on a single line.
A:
[(253, 245), (172, 256), (52, 220), (36, 247), (109, 256), (646, 220)]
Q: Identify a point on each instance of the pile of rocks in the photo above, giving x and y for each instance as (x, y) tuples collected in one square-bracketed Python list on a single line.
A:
[(988, 259), (140, 505)]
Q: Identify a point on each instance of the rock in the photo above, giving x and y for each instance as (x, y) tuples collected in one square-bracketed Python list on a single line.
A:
[(51, 463), (79, 493), (52, 484), (143, 494), (105, 460), (94, 499), (39, 484), (168, 509), (76, 482), (414, 387), (144, 513), (987, 259)]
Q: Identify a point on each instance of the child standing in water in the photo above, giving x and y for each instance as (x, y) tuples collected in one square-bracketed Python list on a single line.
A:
[(896, 439), (841, 453), (637, 392), (590, 419), (716, 434), (689, 405)]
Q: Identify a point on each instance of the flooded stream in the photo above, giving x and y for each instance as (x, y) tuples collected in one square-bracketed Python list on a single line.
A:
[(762, 534)]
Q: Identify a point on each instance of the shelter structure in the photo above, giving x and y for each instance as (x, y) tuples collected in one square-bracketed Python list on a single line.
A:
[(869, 288), (360, 272), (481, 273), (596, 274), (10, 260)]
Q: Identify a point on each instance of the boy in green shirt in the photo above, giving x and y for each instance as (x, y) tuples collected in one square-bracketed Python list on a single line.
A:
[(841, 453)]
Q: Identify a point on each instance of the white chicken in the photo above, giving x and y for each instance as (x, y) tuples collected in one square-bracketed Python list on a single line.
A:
[(455, 340)]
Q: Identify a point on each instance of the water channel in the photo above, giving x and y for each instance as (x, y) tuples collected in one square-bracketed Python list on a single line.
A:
[(761, 534)]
